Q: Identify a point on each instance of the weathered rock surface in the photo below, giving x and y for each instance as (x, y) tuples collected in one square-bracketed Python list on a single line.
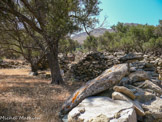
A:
[(138, 76), (87, 66), (130, 58), (141, 95), (153, 110), (125, 91), (103, 109), (136, 104), (106, 80), (90, 66), (149, 85)]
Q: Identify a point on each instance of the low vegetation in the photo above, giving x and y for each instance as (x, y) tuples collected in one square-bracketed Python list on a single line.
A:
[(128, 38)]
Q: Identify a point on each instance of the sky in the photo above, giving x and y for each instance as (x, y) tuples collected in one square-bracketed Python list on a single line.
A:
[(131, 11)]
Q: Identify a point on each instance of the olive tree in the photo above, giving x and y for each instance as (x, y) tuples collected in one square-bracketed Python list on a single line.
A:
[(53, 20)]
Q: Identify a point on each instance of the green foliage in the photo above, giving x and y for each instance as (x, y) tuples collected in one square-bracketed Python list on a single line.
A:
[(126, 44), (128, 38), (67, 46), (90, 43)]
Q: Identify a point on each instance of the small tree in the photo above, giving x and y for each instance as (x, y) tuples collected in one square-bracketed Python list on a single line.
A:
[(105, 40), (90, 43), (67, 46), (14, 39), (126, 44)]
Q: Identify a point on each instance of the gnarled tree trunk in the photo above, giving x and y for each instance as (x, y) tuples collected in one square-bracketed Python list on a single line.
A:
[(52, 57)]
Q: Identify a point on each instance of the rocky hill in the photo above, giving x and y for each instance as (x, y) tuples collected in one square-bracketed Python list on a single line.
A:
[(96, 32)]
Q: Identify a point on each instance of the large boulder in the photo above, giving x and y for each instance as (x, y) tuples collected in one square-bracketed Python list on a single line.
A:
[(136, 104), (102, 109), (106, 80)]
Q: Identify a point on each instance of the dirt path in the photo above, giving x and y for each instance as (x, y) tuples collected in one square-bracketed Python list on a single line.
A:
[(28, 98)]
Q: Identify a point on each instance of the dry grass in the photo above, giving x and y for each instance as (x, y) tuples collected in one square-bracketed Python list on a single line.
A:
[(22, 96)]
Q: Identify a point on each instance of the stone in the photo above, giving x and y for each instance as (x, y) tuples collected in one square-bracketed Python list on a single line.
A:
[(150, 69), (160, 76), (136, 104), (153, 110), (148, 65), (141, 95), (106, 93), (103, 109), (33, 73), (130, 58), (124, 81), (133, 69), (150, 85), (106, 80), (138, 76), (81, 110), (138, 83), (160, 63), (128, 115), (100, 118), (157, 82), (154, 74), (90, 66), (125, 91)]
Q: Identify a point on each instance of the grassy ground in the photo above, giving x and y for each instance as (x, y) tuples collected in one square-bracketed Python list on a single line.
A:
[(29, 98)]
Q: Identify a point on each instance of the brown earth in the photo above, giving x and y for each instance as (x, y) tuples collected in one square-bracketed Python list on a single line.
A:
[(28, 98)]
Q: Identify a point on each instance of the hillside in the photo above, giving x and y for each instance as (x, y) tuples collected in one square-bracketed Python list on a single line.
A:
[(96, 32)]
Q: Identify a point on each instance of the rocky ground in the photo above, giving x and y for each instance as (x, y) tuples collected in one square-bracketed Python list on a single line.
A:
[(23, 96), (140, 88), (87, 66)]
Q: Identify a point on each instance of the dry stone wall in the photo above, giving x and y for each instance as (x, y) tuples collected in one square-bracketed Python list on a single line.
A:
[(91, 65)]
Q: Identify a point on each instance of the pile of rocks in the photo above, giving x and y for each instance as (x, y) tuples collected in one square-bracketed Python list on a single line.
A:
[(155, 61), (92, 64), (137, 97), (11, 64), (64, 62)]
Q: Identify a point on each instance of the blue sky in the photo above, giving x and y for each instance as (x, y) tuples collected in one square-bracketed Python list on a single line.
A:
[(131, 11)]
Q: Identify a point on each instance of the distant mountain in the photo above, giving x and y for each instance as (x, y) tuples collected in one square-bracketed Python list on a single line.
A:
[(96, 32)]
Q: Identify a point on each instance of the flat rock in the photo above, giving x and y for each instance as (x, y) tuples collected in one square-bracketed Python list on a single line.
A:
[(150, 85), (124, 81), (102, 109), (130, 58), (125, 91), (138, 76), (148, 65), (128, 115), (136, 104), (133, 69), (153, 110), (141, 95)]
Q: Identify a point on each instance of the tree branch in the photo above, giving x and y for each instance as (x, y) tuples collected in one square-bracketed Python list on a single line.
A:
[(24, 18)]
